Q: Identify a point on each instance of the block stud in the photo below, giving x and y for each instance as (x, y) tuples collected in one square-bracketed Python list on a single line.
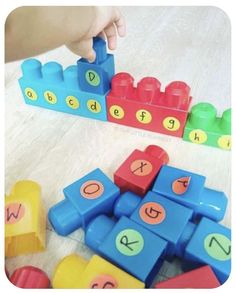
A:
[(203, 115)]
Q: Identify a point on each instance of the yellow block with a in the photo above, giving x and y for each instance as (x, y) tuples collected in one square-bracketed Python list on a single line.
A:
[(74, 271), (25, 219)]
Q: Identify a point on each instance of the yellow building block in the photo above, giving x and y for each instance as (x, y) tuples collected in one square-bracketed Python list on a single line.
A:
[(25, 219), (73, 271)]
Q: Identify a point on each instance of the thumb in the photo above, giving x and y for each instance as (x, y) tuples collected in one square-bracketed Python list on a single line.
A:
[(84, 49)]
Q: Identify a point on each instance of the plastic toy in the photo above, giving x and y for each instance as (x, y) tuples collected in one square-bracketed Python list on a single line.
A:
[(73, 272), (203, 127), (128, 245), (79, 89), (25, 219), (139, 170), (188, 189), (84, 199), (208, 243), (30, 277), (201, 278), (161, 216), (146, 107)]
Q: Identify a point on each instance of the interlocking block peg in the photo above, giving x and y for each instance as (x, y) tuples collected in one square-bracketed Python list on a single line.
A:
[(139, 170), (201, 278), (204, 127), (128, 245), (189, 189), (74, 271), (51, 87), (86, 198), (146, 107), (25, 219), (30, 277)]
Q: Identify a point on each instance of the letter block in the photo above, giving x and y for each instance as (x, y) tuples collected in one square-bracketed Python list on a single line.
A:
[(161, 216), (146, 107), (30, 277), (96, 77), (74, 272), (188, 189), (84, 199), (201, 278), (128, 245), (50, 87), (210, 243), (204, 127), (139, 170), (25, 219)]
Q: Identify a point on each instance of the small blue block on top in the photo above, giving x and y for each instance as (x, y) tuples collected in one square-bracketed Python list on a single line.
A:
[(188, 189), (96, 77), (211, 244), (128, 245), (84, 199)]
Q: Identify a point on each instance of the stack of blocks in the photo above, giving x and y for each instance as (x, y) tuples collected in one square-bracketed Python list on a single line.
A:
[(92, 90), (177, 216)]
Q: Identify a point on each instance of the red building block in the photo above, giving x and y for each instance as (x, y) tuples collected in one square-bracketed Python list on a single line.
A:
[(146, 107), (30, 277), (202, 278), (139, 170)]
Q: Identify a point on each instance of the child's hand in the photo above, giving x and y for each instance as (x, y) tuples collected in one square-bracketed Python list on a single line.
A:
[(30, 31)]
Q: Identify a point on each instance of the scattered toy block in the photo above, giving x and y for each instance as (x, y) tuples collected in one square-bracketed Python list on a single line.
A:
[(209, 243), (139, 170), (25, 219), (73, 272), (202, 278), (146, 107), (96, 77), (128, 245), (161, 216), (188, 189), (50, 87), (204, 127), (30, 277), (84, 199)]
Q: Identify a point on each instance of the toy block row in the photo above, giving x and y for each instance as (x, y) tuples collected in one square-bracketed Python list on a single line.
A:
[(29, 277), (204, 127), (79, 90)]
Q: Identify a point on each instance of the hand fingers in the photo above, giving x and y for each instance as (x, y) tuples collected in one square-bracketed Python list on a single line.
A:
[(120, 24), (110, 32), (83, 48)]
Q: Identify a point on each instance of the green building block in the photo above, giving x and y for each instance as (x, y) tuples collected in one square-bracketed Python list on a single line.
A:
[(204, 127)]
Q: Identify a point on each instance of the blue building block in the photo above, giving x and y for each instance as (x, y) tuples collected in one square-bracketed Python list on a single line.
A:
[(188, 189), (96, 77), (50, 87), (84, 199), (210, 244), (128, 245), (158, 214)]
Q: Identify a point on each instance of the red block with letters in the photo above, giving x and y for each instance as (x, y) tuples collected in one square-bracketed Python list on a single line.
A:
[(139, 170), (146, 107), (203, 277)]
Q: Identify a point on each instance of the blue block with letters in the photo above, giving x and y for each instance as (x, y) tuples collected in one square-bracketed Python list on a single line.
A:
[(210, 244), (127, 245), (188, 189), (84, 199), (51, 87), (158, 214), (96, 77)]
